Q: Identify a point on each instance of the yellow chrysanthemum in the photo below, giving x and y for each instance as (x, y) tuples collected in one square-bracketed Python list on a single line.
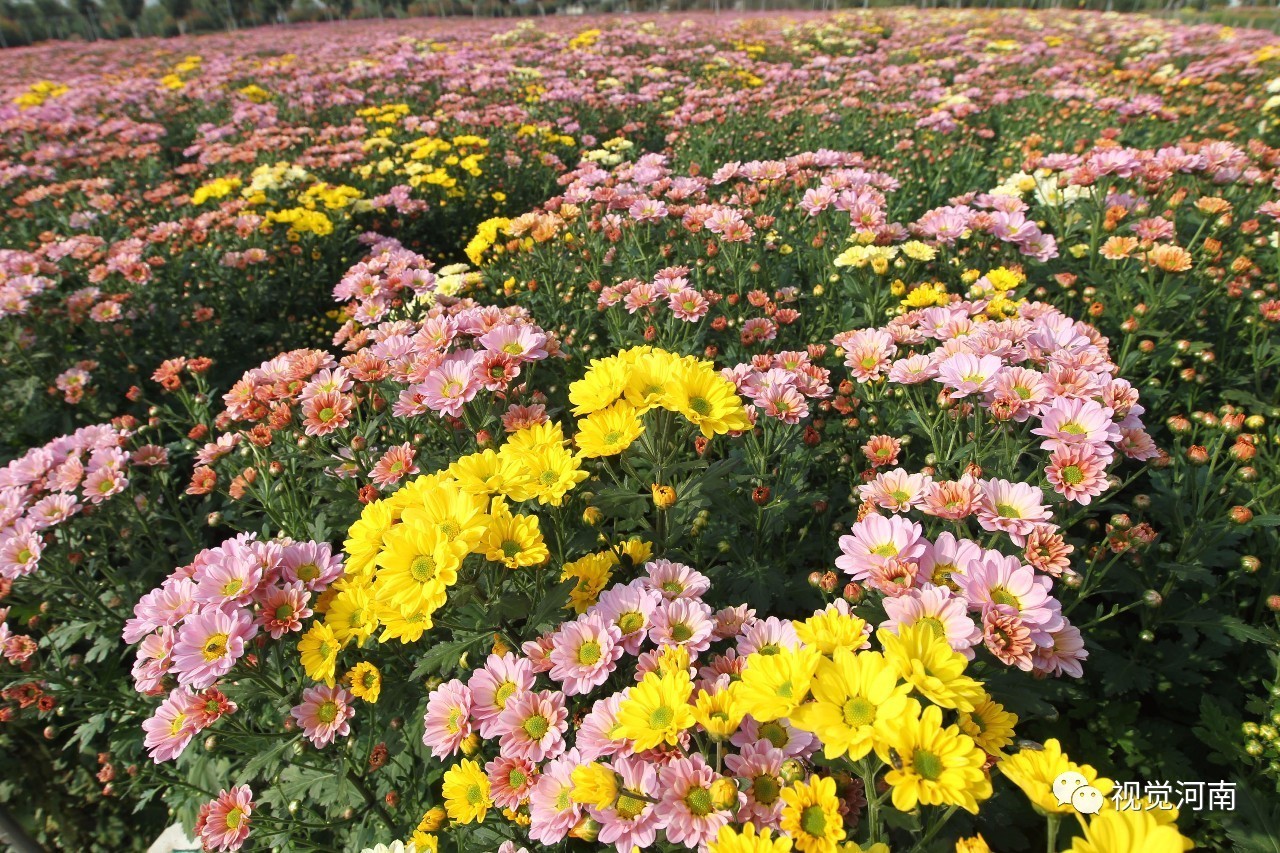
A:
[(1033, 770), (931, 765), (417, 567), (976, 844), (609, 431), (466, 792), (318, 649), (407, 626), (592, 573), (364, 539), (553, 472), (851, 693), (1129, 831), (989, 724), (637, 550), (458, 515), (514, 541), (353, 614), (489, 473), (811, 815), (931, 666), (832, 629), (595, 784), (534, 438), (731, 839), (603, 383), (365, 681), (656, 710), (652, 375), (425, 842), (774, 685), (718, 713), (707, 400)]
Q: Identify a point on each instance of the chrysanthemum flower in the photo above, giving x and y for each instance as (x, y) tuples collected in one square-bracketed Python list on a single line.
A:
[(688, 810), (632, 822), (466, 792), (552, 811), (811, 815), (760, 764), (834, 627), (731, 839), (1015, 508), (938, 608), (510, 780), (514, 541), (1033, 770), (171, 727), (707, 400), (682, 622), (630, 608), (604, 382), (448, 718), (1112, 831), (657, 710), (609, 431), (931, 765), (931, 666), (493, 685), (1000, 581), (318, 650), (417, 566), (1077, 472), (365, 681), (353, 614), (223, 823), (773, 686), (324, 714), (283, 608), (533, 725), (875, 540), (208, 645), (989, 724), (584, 653), (851, 692)]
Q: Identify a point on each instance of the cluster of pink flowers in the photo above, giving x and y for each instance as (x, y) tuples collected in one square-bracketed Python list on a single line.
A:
[(780, 386), (197, 625), (1040, 367), (22, 275), (17, 649), (948, 578), (47, 485), (389, 276), (631, 626)]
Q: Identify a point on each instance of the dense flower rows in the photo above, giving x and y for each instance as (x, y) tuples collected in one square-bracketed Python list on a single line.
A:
[(724, 433)]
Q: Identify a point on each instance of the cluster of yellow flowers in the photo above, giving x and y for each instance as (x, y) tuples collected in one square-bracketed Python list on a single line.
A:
[(995, 287), (617, 390), (255, 93), (39, 92), (426, 160), (217, 188), (333, 197), (487, 234), (302, 221), (405, 551), (863, 253), (177, 80), (584, 39)]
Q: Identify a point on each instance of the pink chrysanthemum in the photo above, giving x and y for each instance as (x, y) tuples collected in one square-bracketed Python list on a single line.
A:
[(964, 374), (1015, 508), (596, 733), (760, 764), (687, 811), (1001, 582), (675, 580), (875, 540), (1064, 655), (224, 823), (1008, 638), (767, 636), (312, 563), (394, 465), (940, 610), (510, 780), (327, 412), (283, 608), (631, 822), (208, 645), (1078, 472), (1067, 421), (952, 499), (448, 718), (324, 714), (896, 490), (779, 734), (947, 558), (630, 608), (533, 725), (493, 686), (682, 622), (229, 575), (171, 727), (552, 812), (584, 653), (731, 621)]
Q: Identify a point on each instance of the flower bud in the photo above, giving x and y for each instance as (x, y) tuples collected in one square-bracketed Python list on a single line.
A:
[(1240, 515), (664, 497)]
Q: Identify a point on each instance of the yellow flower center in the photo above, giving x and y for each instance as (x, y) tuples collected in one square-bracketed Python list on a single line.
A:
[(1072, 428), (232, 586), (327, 712), (628, 807), (516, 779), (423, 568), (699, 802), (661, 717), (630, 622), (214, 647), (504, 692), (1007, 511), (474, 795), (1000, 595), (888, 549), (234, 817), (935, 625), (927, 765)]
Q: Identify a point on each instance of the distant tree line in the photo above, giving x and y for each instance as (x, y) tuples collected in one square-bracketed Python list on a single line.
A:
[(24, 22)]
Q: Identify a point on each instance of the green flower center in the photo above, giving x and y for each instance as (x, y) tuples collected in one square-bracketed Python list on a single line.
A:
[(859, 712), (661, 717), (423, 568), (536, 727), (516, 779), (813, 820), (699, 802), (766, 790), (1072, 475), (589, 653), (1000, 595), (630, 622), (327, 712), (283, 612), (926, 765), (628, 807), (1007, 511), (681, 632), (700, 405), (775, 733)]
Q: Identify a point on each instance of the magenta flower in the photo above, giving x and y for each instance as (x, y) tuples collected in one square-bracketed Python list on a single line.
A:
[(585, 653), (533, 726)]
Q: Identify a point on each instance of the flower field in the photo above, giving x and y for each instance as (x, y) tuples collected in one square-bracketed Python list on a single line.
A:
[(740, 433)]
